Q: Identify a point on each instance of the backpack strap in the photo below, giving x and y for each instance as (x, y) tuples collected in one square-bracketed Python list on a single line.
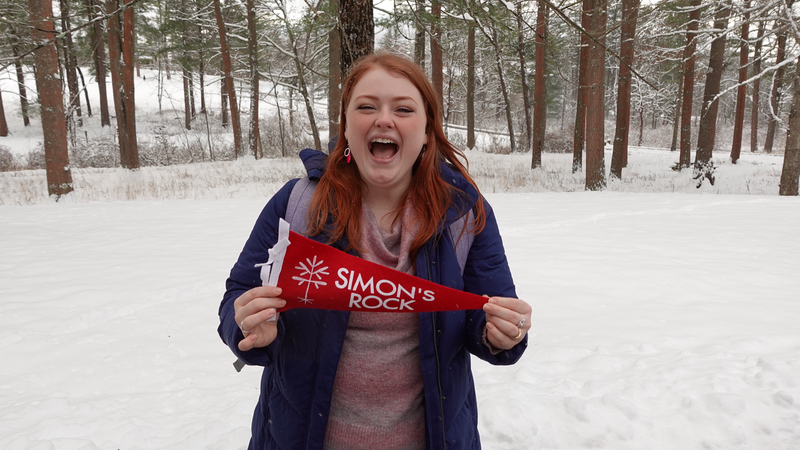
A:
[(462, 238), (299, 201)]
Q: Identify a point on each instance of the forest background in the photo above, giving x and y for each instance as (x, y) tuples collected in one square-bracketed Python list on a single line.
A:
[(534, 76)]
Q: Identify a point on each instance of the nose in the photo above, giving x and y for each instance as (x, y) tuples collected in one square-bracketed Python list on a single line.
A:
[(384, 119)]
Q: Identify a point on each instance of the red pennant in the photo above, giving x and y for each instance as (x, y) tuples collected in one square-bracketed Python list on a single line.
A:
[(315, 275)]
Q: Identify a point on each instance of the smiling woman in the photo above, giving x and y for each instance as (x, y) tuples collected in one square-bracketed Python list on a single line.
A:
[(390, 192), (385, 133)]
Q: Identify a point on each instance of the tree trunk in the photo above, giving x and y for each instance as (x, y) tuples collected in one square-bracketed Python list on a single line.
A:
[(708, 114), (227, 72), (526, 107), (506, 99), (685, 157), (254, 135), (48, 83), (777, 83), (471, 86), (121, 78), (301, 83), (762, 25), (676, 123), (741, 91), (790, 175), (539, 87), (356, 31), (70, 64), (630, 13), (23, 95), (419, 34), (595, 96), (334, 75), (128, 67), (223, 94), (579, 135), (3, 123), (187, 113), (437, 78), (85, 91), (187, 91)]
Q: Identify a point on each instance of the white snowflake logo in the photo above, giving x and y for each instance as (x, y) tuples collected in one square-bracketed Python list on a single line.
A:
[(313, 275)]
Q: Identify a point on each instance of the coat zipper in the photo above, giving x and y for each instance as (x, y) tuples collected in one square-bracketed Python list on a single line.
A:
[(436, 352)]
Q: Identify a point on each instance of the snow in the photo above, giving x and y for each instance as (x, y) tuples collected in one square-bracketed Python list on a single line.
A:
[(660, 321), (665, 316)]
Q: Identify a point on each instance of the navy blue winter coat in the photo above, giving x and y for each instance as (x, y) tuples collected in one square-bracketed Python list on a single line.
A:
[(300, 365)]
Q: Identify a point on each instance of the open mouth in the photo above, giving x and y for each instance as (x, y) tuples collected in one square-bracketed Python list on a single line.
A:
[(383, 148)]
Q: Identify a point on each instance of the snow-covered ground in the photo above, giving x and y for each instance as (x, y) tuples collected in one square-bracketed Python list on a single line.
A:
[(665, 316), (663, 321)]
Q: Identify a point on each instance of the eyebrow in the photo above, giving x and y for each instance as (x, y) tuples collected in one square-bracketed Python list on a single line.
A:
[(394, 99)]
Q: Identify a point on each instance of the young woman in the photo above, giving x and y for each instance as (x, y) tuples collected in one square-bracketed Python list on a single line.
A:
[(387, 193)]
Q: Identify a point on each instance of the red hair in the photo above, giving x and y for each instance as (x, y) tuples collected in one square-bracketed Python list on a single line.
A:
[(338, 194)]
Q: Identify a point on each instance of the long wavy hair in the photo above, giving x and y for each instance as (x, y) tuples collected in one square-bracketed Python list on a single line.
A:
[(338, 194)]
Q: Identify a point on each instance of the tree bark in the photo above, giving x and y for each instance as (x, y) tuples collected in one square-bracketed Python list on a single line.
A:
[(579, 134), (685, 157), (120, 52), (595, 96), (526, 106), (254, 135), (504, 89), (630, 13), (356, 31), (334, 74), (227, 71), (539, 125), (187, 91), (676, 124), (419, 34), (790, 174), (70, 64), (23, 95), (128, 67), (708, 114), (741, 91), (777, 83), (48, 83), (437, 78), (762, 25), (471, 86), (3, 123)]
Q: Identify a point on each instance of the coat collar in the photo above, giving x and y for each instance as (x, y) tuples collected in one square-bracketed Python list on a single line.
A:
[(465, 196)]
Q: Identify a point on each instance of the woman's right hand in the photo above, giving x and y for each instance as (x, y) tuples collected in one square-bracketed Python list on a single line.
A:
[(253, 309)]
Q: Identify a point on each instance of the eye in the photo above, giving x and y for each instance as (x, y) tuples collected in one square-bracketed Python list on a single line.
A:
[(365, 107), (405, 110)]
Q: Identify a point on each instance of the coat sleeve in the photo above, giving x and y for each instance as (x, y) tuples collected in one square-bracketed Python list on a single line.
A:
[(245, 276), (487, 272)]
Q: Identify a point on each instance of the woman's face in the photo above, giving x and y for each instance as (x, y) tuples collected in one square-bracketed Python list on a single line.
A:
[(386, 120)]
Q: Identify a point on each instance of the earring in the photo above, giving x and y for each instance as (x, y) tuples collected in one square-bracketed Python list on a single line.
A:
[(347, 154)]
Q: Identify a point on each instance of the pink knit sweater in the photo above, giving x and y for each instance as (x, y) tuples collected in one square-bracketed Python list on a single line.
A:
[(377, 395)]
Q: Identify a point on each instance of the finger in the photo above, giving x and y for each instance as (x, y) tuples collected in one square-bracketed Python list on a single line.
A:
[(498, 307), (503, 326), (258, 307), (251, 322), (500, 339), (257, 292), (248, 343)]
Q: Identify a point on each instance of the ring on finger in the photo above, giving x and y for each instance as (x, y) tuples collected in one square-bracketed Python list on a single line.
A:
[(521, 322), (241, 327), (519, 334)]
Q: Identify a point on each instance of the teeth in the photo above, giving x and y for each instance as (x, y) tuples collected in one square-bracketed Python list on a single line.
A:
[(384, 141)]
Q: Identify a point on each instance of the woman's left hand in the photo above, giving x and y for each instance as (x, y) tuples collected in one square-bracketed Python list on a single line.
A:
[(507, 321)]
